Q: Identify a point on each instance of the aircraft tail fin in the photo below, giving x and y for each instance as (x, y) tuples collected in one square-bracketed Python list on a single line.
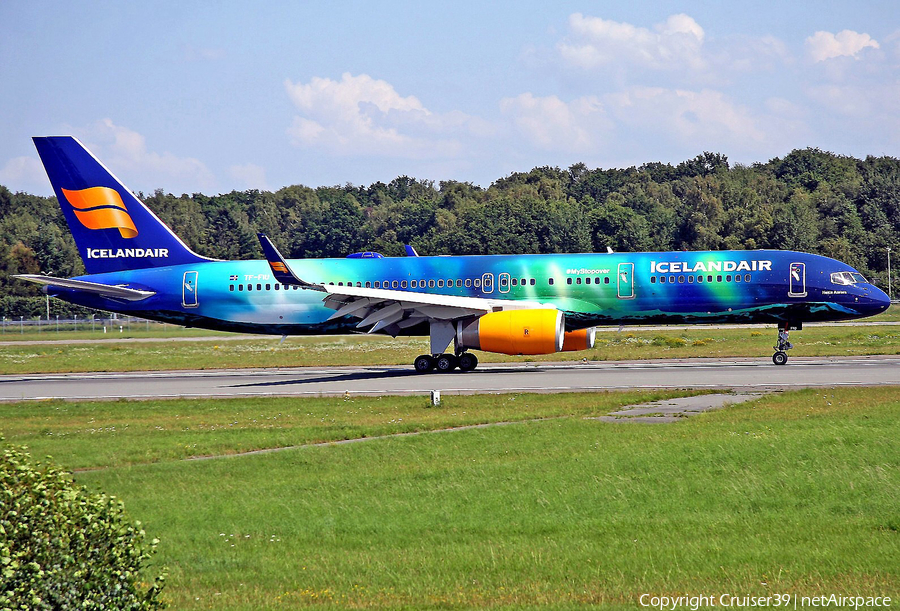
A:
[(113, 229)]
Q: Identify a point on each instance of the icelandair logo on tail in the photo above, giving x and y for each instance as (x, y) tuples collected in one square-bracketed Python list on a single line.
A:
[(101, 208)]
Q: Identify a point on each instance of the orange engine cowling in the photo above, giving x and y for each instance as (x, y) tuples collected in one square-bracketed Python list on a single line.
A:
[(514, 332), (582, 339)]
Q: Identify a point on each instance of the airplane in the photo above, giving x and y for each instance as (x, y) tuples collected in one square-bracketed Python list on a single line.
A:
[(511, 304)]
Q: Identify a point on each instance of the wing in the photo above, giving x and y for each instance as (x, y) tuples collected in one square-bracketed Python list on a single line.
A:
[(389, 310), (104, 290)]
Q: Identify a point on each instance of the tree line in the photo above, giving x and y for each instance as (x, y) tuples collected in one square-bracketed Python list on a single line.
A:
[(810, 200)]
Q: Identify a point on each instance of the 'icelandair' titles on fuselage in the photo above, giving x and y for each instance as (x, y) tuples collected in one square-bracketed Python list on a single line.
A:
[(127, 253), (686, 267)]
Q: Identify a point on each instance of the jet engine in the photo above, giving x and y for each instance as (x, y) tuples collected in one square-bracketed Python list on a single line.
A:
[(581, 339), (514, 332)]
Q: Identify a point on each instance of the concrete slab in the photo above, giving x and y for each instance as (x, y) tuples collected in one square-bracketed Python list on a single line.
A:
[(672, 410)]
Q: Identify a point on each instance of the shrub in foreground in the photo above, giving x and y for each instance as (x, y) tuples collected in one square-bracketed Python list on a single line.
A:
[(62, 547)]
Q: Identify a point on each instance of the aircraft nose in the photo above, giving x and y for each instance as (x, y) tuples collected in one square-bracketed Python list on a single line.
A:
[(878, 301)]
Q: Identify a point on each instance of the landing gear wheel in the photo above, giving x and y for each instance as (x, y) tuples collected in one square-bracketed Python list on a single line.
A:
[(467, 362), (424, 363), (782, 345), (446, 363)]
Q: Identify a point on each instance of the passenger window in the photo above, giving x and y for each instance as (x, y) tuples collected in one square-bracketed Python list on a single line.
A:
[(477, 282), (259, 287), (240, 287), (709, 278), (377, 284), (515, 282), (746, 277), (231, 287), (699, 278), (728, 278), (652, 279), (662, 279), (440, 284), (394, 284), (690, 280), (718, 278), (403, 284), (532, 282), (277, 287), (368, 285), (268, 287), (458, 282), (550, 281), (737, 277), (568, 281), (606, 280), (339, 283), (468, 282), (431, 284), (680, 279), (578, 281)]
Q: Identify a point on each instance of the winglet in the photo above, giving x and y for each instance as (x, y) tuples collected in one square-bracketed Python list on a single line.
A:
[(410, 251), (280, 268)]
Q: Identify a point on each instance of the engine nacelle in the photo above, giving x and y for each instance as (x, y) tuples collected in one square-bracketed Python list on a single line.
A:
[(514, 332), (582, 339)]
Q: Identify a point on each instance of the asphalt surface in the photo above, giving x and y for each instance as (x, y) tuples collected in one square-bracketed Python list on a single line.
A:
[(756, 375)]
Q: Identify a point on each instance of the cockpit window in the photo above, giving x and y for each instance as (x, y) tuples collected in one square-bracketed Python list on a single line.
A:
[(847, 278)]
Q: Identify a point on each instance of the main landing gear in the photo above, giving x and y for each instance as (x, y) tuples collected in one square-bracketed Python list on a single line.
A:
[(782, 346), (445, 363)]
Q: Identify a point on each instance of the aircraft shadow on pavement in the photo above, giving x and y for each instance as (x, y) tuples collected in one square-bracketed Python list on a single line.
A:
[(383, 374)]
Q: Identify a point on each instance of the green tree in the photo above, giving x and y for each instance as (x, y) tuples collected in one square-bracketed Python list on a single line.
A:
[(62, 547)]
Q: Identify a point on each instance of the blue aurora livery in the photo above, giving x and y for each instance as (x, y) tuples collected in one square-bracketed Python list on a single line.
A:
[(512, 304)]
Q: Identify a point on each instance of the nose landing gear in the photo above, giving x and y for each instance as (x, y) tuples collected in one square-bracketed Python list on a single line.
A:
[(782, 345)]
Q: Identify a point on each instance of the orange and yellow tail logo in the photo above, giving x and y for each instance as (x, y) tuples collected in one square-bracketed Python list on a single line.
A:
[(101, 208), (278, 266)]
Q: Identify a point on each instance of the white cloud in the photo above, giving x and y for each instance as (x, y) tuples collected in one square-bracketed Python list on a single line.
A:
[(552, 124), (249, 176), (673, 44), (125, 152), (687, 116), (24, 174), (822, 46), (359, 115), (647, 120)]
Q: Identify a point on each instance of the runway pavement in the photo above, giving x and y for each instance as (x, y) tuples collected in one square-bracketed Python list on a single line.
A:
[(743, 374)]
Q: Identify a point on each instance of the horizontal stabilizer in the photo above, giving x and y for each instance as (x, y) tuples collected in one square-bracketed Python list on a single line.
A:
[(104, 290)]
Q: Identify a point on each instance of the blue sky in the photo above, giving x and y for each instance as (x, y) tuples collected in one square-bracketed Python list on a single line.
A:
[(207, 97)]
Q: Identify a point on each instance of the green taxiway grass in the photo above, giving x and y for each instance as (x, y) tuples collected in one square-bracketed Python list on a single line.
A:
[(795, 493), (629, 344)]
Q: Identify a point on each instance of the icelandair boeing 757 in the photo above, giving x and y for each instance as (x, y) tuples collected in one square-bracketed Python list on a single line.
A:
[(511, 304)]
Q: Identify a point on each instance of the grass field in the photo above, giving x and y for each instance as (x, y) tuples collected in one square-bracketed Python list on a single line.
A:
[(376, 350), (794, 493)]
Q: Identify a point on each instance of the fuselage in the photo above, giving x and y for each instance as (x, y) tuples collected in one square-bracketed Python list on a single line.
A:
[(762, 286)]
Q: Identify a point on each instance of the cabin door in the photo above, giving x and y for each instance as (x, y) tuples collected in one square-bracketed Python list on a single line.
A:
[(504, 282), (797, 280), (487, 283), (626, 280), (189, 290)]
